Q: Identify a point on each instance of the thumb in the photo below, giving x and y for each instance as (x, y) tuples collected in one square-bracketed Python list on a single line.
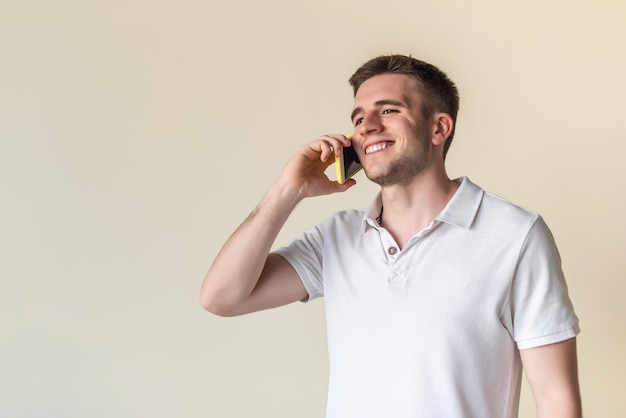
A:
[(340, 188)]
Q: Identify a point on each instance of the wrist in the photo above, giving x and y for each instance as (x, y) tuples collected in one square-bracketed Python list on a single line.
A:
[(284, 194)]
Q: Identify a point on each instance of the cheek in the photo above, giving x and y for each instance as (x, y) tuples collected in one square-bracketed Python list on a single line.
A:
[(407, 127), (356, 144)]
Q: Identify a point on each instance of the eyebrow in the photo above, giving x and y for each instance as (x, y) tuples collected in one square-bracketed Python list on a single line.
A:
[(379, 103)]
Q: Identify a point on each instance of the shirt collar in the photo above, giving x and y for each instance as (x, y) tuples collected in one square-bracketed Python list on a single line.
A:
[(460, 210), (372, 212)]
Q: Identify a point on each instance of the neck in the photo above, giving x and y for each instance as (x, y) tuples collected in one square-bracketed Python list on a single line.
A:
[(410, 208)]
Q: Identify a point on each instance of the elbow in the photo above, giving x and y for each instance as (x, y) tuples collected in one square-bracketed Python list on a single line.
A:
[(222, 300), (213, 306), (217, 305)]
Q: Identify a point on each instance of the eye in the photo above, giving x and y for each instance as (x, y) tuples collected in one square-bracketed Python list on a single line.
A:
[(387, 111), (358, 121)]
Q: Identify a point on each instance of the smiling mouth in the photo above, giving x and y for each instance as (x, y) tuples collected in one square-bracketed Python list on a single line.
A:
[(377, 147)]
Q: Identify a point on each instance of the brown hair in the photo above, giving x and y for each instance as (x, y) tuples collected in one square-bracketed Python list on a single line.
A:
[(440, 93)]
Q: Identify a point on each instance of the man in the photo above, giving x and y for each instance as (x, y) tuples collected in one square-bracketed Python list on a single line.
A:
[(438, 294)]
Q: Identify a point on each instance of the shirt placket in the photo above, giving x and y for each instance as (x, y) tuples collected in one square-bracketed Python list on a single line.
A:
[(400, 262)]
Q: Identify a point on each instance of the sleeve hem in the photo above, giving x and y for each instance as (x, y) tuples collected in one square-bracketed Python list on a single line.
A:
[(549, 339), (312, 291)]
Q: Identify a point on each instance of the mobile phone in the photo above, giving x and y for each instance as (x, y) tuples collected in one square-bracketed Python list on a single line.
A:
[(347, 164)]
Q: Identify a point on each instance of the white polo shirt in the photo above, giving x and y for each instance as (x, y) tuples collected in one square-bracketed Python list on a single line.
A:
[(434, 330)]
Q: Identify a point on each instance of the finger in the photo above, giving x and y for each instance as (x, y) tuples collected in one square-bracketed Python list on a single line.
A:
[(335, 143), (328, 148), (337, 140)]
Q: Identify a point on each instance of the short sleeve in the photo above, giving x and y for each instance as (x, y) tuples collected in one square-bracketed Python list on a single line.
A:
[(305, 255), (541, 310)]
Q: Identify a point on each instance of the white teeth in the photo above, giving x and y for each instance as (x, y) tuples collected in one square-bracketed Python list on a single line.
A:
[(375, 147)]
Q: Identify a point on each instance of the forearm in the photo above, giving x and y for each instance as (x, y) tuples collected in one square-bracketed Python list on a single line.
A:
[(238, 267), (560, 407), (561, 401)]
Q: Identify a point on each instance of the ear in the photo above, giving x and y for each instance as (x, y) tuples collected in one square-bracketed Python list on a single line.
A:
[(442, 128)]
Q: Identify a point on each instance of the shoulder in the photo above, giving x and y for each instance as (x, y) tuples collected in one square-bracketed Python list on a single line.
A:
[(500, 204), (342, 222), (340, 225), (347, 216), (481, 210), (502, 222), (499, 211)]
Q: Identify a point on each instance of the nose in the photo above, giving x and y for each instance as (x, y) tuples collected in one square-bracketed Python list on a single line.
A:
[(371, 123)]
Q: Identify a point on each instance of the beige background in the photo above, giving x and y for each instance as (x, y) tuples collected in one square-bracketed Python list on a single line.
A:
[(136, 135)]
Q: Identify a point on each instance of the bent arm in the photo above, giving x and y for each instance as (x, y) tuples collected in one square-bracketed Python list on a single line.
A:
[(243, 261), (552, 372), (245, 277)]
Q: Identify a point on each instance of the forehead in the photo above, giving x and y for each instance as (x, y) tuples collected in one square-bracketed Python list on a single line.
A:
[(387, 86)]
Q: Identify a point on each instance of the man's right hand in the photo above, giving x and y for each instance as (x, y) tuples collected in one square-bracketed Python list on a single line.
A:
[(304, 174)]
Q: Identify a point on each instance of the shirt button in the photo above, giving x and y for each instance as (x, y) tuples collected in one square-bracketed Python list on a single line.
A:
[(392, 250)]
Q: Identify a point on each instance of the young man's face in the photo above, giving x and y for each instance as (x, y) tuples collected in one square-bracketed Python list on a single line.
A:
[(391, 137)]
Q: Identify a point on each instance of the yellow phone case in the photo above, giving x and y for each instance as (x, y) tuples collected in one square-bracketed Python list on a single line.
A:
[(340, 167)]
